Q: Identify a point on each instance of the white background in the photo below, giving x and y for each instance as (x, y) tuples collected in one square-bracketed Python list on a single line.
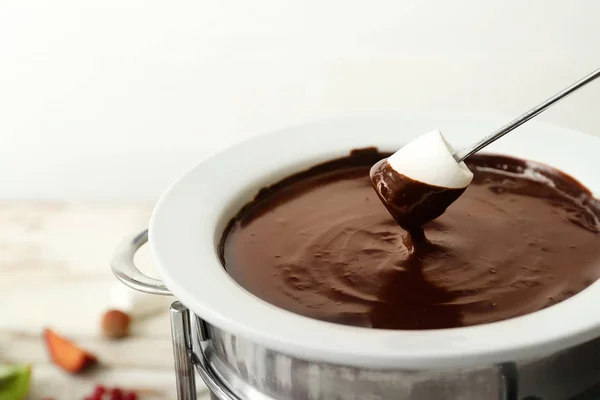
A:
[(113, 99)]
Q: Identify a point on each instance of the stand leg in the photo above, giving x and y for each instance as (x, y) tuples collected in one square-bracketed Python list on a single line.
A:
[(510, 381), (182, 345)]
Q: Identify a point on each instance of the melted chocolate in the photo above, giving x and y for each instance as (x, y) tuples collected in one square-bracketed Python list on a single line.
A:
[(411, 203), (320, 243)]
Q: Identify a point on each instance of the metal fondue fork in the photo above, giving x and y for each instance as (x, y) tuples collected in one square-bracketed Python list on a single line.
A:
[(461, 155)]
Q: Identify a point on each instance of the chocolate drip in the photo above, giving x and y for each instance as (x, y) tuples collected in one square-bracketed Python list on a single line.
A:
[(411, 203)]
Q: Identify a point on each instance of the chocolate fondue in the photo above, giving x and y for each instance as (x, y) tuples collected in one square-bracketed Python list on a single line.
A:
[(320, 243)]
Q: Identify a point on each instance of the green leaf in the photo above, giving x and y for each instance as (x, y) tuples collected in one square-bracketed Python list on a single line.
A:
[(14, 381)]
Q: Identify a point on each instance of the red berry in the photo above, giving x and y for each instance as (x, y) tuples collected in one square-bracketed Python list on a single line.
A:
[(130, 396), (116, 394), (99, 390)]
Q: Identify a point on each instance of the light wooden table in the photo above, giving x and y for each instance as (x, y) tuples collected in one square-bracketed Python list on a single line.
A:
[(54, 272)]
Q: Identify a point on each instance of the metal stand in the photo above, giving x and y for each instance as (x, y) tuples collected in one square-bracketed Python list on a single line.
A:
[(182, 352), (187, 360)]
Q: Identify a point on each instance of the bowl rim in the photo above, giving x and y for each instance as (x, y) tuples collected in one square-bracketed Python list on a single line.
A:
[(195, 207)]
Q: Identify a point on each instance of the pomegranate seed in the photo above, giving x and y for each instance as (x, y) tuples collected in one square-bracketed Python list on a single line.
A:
[(99, 390), (103, 393), (130, 396), (116, 394)]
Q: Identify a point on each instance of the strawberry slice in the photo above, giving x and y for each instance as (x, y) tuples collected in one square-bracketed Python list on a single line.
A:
[(66, 354)]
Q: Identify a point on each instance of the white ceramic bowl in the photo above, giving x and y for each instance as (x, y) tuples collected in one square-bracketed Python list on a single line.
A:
[(189, 219)]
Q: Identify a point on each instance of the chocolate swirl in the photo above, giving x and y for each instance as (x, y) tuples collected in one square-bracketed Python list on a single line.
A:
[(320, 243)]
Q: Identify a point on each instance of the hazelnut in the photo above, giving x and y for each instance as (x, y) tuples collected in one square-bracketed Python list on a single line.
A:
[(115, 324)]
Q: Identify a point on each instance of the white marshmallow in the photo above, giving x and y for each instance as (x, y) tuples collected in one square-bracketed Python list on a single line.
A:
[(137, 304), (429, 159)]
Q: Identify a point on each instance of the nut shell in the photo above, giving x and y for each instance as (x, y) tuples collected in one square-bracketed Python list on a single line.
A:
[(115, 324)]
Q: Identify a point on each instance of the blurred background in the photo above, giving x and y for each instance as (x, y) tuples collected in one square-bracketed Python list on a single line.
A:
[(114, 99), (104, 103)]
